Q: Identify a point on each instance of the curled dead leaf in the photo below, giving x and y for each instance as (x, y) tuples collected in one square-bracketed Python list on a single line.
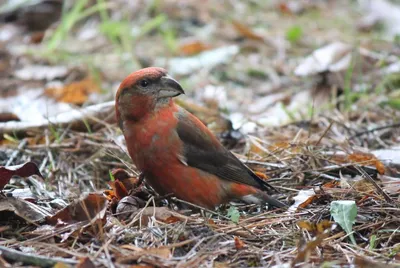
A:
[(239, 244), (24, 170)]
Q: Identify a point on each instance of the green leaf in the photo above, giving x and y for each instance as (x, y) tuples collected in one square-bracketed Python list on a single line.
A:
[(372, 242), (344, 213), (294, 34), (233, 214), (111, 175)]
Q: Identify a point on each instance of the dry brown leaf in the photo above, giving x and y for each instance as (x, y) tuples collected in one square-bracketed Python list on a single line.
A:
[(193, 48), (75, 92), (307, 202), (261, 175), (28, 211), (91, 206), (24, 170), (239, 244), (246, 31), (119, 189), (365, 159), (304, 252), (318, 228)]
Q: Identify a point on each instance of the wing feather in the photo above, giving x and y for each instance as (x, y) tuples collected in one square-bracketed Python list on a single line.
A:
[(202, 150)]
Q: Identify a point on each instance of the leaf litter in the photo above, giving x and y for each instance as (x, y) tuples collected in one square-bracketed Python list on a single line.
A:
[(307, 108)]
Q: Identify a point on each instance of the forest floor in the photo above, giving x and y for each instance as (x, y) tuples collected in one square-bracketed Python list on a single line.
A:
[(306, 93)]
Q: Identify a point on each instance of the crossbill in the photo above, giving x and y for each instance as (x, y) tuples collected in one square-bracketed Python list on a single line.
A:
[(175, 151)]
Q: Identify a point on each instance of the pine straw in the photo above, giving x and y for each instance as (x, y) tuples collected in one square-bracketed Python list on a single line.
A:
[(80, 162)]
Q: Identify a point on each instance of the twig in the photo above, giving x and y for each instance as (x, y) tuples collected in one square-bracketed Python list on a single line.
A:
[(16, 152), (374, 129), (32, 259), (371, 180)]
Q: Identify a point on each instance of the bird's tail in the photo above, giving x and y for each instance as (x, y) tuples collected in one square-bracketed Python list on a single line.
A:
[(261, 197)]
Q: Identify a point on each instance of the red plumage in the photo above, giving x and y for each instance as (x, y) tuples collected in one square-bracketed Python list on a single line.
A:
[(175, 151)]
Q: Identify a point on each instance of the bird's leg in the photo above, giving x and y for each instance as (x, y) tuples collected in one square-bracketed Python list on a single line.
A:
[(141, 179)]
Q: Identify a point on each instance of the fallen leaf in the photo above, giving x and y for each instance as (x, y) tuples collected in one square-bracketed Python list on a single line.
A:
[(302, 200), (365, 159), (239, 244), (24, 170), (90, 207), (303, 252), (246, 31), (313, 227), (261, 175), (26, 210), (75, 92), (193, 48), (126, 181), (344, 212), (119, 190), (333, 57)]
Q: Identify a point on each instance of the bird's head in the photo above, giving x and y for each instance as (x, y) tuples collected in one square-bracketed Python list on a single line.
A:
[(144, 91)]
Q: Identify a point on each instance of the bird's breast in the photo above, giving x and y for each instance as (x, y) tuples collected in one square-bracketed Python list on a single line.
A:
[(153, 142)]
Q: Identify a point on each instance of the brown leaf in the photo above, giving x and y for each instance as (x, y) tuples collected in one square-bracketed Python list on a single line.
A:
[(239, 244), (92, 206), (307, 202), (261, 175), (246, 31), (119, 190), (365, 159), (75, 92), (24, 170), (123, 184), (318, 228), (193, 48)]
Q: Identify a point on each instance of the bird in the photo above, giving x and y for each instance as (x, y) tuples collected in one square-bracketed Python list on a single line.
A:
[(175, 152)]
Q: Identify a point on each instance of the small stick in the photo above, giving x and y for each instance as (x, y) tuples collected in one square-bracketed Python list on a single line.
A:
[(32, 259)]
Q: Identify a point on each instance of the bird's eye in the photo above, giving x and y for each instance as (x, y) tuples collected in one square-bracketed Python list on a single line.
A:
[(144, 83)]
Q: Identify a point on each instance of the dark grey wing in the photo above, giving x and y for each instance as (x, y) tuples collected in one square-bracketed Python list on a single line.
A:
[(203, 151)]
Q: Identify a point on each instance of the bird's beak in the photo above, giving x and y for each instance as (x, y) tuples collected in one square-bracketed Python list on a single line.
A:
[(169, 87)]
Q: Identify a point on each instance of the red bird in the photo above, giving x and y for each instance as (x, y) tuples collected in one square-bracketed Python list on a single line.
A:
[(175, 151)]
